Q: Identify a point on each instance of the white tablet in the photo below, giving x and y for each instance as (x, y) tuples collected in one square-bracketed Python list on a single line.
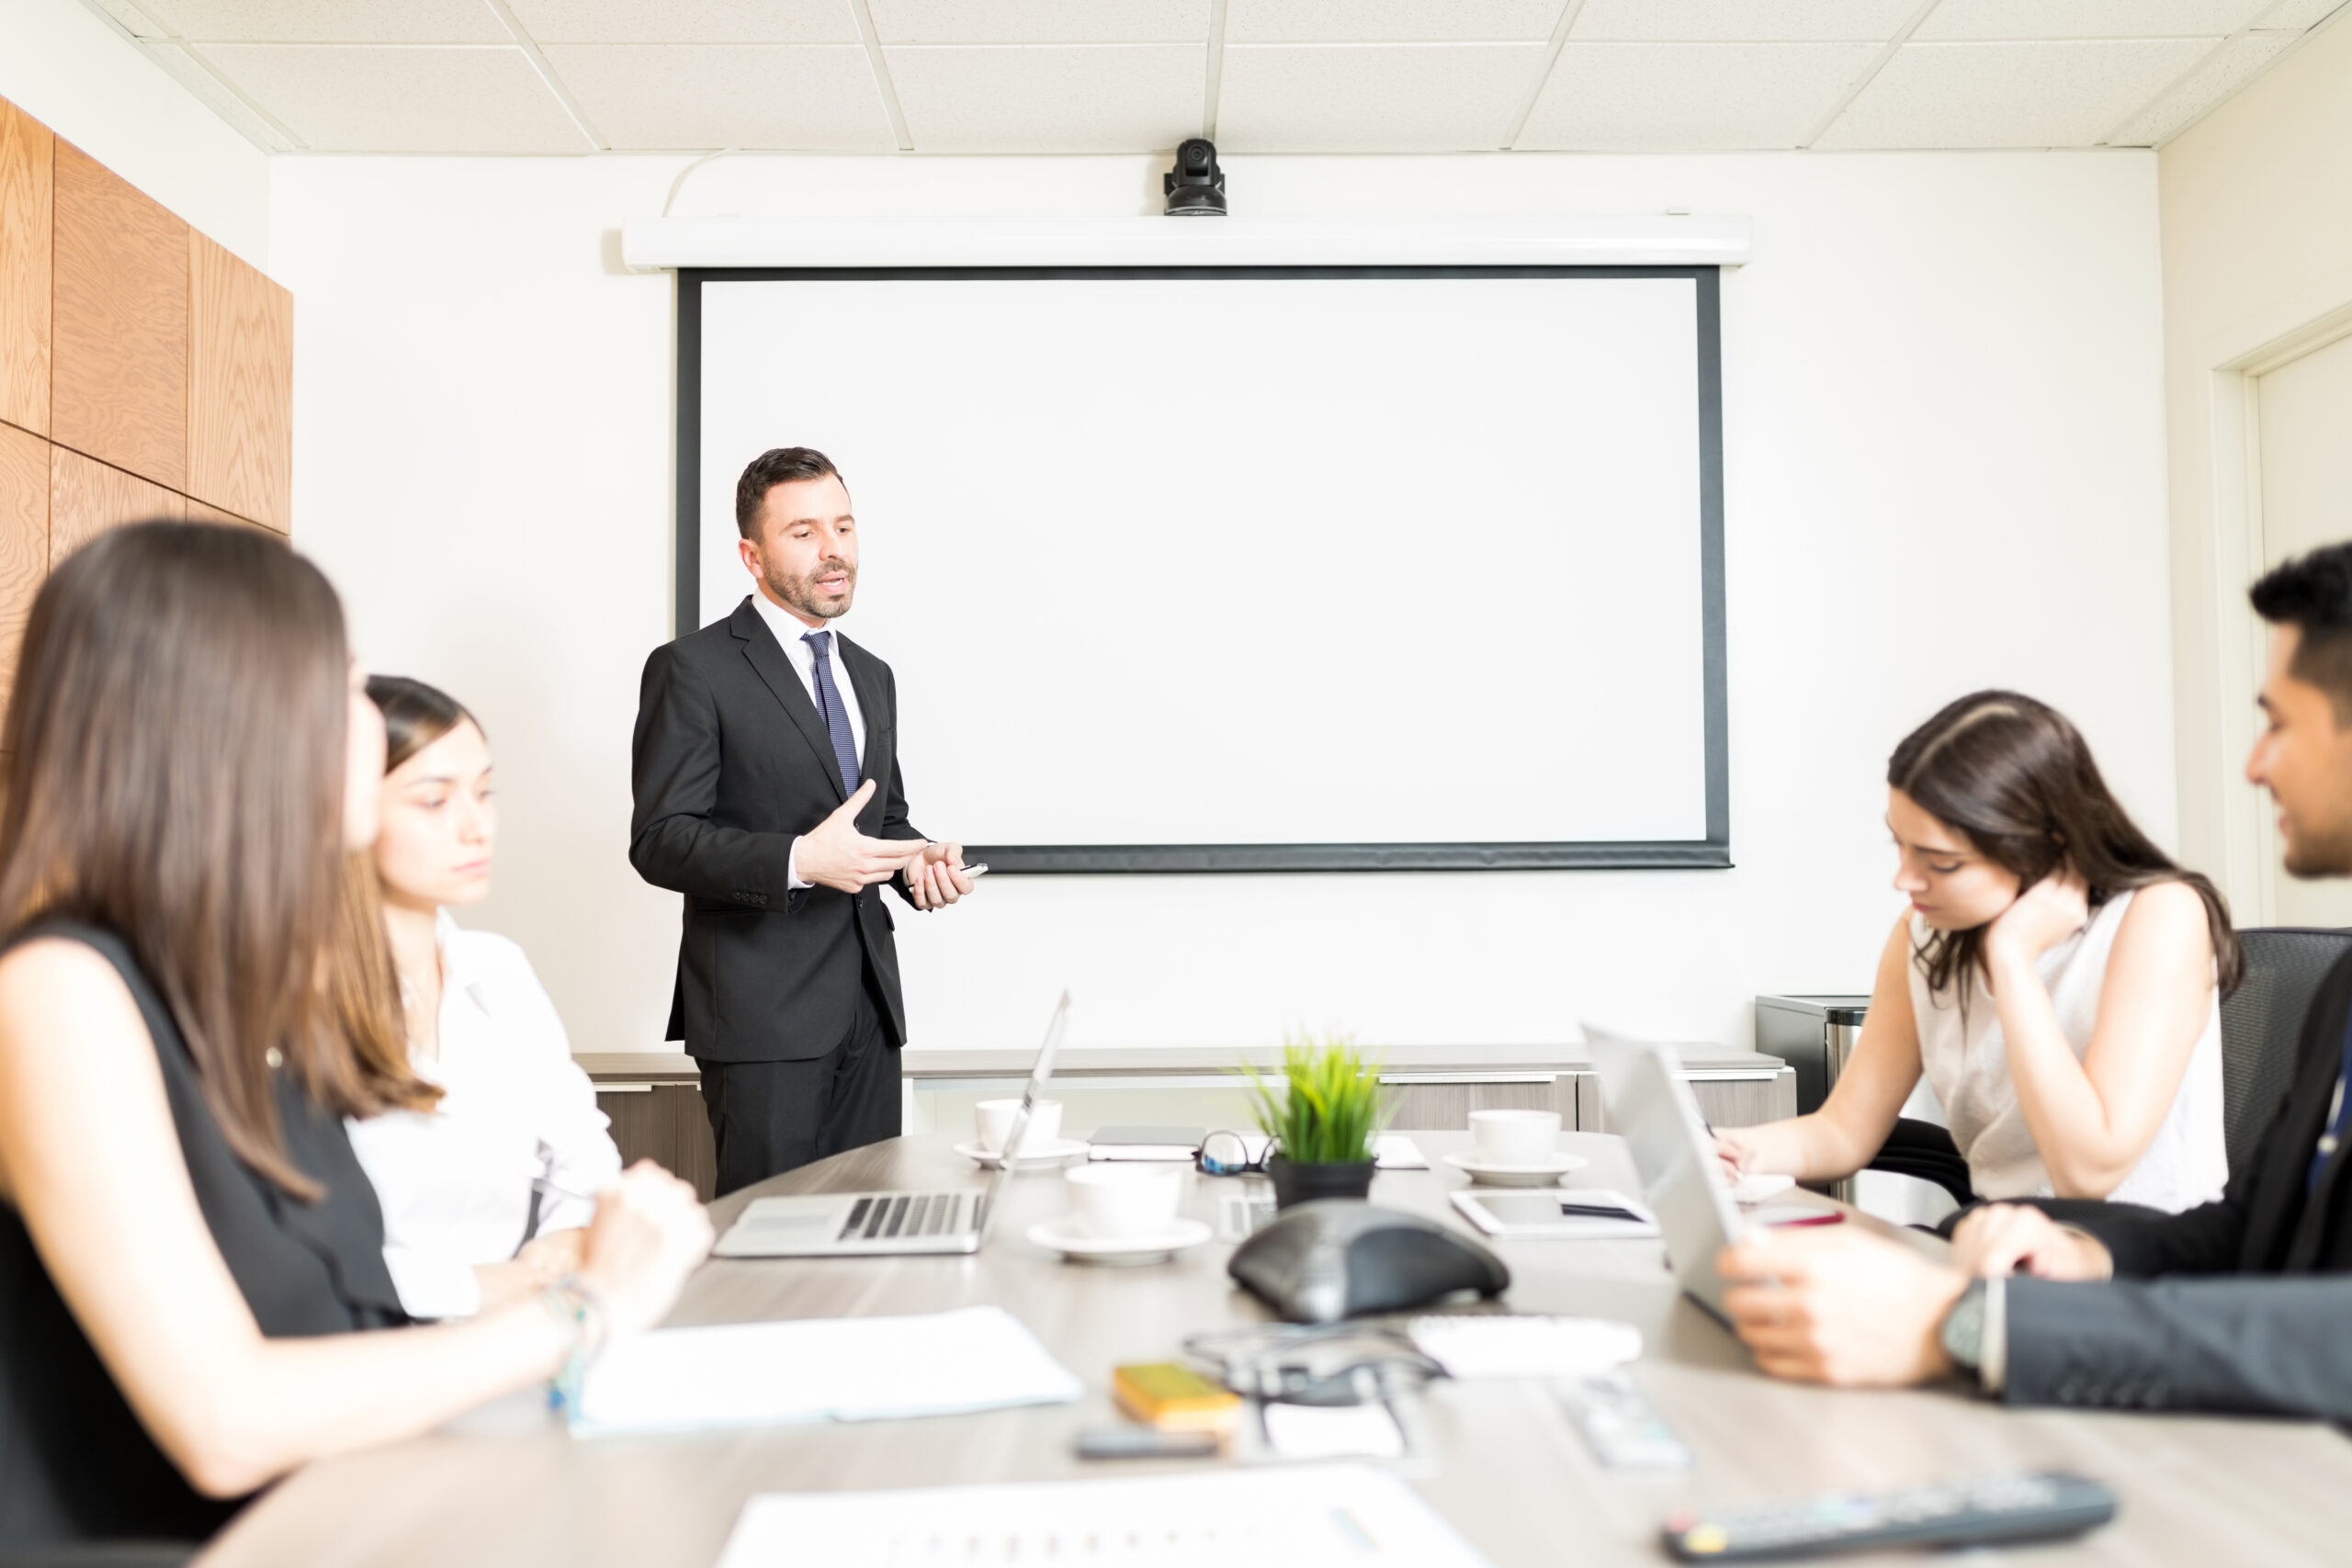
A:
[(1584, 1214)]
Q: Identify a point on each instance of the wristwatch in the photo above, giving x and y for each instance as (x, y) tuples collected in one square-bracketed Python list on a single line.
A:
[(1962, 1334)]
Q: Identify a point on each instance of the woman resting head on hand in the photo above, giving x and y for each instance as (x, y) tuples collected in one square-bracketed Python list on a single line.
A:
[(188, 1251), (2056, 978), (478, 1194)]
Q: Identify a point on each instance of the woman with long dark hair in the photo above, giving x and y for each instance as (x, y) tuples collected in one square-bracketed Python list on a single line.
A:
[(2057, 979), (187, 1247), (478, 1192)]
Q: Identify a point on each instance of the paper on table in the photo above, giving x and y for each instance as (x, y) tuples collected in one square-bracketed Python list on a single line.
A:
[(1297, 1513), (839, 1368), (1332, 1431), (1473, 1345)]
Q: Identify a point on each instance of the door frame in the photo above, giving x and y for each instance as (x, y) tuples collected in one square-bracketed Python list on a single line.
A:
[(2232, 554)]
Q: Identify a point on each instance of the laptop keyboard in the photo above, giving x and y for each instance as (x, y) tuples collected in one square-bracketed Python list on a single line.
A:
[(890, 1216)]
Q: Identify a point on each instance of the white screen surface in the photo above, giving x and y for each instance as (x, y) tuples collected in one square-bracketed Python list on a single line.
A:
[(1266, 560)]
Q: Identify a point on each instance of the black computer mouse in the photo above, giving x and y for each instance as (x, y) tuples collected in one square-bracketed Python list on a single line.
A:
[(1340, 1257)]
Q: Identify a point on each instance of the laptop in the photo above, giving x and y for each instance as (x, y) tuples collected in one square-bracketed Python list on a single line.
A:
[(876, 1224), (1650, 1105)]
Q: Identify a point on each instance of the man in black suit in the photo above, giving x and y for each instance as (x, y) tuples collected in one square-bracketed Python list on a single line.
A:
[(2238, 1306), (765, 767)]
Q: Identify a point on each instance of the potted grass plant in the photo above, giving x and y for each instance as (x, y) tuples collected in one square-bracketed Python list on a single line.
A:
[(1322, 1115)]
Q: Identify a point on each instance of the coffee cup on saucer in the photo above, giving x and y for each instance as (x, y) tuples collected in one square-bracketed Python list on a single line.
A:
[(992, 1119), (1515, 1137), (1117, 1200)]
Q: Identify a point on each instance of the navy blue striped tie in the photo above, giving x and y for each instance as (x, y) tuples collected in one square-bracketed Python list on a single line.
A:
[(828, 702)]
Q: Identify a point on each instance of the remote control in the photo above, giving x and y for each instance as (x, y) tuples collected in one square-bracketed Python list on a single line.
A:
[(1971, 1511), (1620, 1425)]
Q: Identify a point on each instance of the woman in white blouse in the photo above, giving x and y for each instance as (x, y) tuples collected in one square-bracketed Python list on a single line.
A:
[(483, 1196), (2056, 978)]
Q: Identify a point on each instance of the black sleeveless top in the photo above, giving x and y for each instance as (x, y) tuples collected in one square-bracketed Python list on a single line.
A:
[(76, 1465)]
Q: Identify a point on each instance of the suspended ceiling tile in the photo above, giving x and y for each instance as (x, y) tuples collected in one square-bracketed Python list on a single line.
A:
[(2085, 18), (687, 21), (1675, 98), (1050, 98), (1042, 21), (330, 21), (2299, 15), (403, 98), (1372, 97), (2010, 95), (2238, 62), (818, 97), (1743, 21), (1389, 21)]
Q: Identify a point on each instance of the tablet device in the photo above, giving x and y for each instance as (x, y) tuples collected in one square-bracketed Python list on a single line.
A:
[(1586, 1213)]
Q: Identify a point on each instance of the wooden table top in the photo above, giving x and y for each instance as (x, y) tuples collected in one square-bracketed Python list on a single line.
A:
[(508, 1485)]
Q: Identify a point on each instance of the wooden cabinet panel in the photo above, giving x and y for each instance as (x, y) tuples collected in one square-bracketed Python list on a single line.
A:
[(118, 373), (240, 388), (666, 1123), (198, 511), (87, 498), (27, 158), (23, 540)]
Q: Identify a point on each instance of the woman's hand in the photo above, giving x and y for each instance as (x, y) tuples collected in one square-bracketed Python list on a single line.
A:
[(2001, 1238), (648, 1234), (2044, 914), (1738, 1155), (555, 1255)]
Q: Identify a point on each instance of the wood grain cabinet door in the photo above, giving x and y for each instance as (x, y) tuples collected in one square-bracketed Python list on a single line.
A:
[(241, 388), (118, 376), (27, 157), (23, 540), (87, 498)]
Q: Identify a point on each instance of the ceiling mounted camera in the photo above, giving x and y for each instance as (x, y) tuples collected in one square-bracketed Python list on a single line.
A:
[(1195, 186)]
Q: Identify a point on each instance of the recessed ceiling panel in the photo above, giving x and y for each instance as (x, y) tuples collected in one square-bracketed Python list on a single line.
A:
[(1050, 98), (331, 21), (2010, 95), (1389, 21), (783, 97), (410, 99), (687, 21), (1041, 21), (2085, 18), (2229, 68), (1372, 97), (1739, 21), (1694, 96)]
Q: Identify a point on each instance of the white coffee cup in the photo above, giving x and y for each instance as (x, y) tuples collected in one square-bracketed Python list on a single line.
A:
[(992, 1119), (1516, 1137), (1117, 1200)]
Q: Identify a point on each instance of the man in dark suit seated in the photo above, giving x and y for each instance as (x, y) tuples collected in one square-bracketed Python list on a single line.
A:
[(765, 766), (2238, 1306)]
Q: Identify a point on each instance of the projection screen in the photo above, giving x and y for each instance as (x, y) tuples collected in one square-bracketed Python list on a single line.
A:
[(1256, 569)]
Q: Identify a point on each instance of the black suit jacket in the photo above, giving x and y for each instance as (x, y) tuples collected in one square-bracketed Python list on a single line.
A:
[(2221, 1329), (730, 763)]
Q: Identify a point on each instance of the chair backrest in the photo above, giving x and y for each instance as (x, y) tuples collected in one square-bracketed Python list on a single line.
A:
[(2262, 1020)]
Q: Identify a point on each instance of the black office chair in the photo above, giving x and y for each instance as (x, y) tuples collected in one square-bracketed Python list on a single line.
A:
[(2263, 1020)]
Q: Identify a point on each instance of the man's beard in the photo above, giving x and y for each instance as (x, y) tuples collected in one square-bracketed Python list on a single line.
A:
[(800, 592), (2315, 854)]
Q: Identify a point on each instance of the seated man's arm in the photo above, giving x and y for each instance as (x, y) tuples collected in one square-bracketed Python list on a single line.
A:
[(2269, 1345)]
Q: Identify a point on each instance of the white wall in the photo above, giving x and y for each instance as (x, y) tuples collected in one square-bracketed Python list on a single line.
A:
[(1944, 449), (2257, 261), (98, 90)]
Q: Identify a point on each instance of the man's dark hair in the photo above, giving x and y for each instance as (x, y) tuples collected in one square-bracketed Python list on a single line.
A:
[(777, 466), (2313, 593)]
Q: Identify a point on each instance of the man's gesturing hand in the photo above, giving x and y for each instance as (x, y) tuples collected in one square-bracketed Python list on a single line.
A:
[(936, 878), (835, 854), (1838, 1307)]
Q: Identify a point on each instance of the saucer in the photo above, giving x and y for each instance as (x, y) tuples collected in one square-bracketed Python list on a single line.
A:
[(1541, 1173), (1043, 1158), (1760, 1188), (1063, 1236)]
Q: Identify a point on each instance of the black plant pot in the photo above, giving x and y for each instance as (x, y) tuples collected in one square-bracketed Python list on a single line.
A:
[(1297, 1183)]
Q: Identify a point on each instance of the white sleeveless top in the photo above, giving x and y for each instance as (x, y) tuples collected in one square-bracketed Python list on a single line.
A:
[(2185, 1164)]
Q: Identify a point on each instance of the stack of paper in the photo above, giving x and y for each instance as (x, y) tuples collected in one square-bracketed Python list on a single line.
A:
[(841, 1369), (1225, 1518)]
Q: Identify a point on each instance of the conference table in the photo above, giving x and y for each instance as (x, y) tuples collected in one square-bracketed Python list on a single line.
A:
[(509, 1485)]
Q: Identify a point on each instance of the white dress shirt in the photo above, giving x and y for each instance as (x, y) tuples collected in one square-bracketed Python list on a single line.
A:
[(455, 1181), (788, 630)]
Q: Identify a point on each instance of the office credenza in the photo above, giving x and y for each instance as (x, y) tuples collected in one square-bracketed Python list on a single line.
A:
[(655, 1102), (1500, 1460)]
